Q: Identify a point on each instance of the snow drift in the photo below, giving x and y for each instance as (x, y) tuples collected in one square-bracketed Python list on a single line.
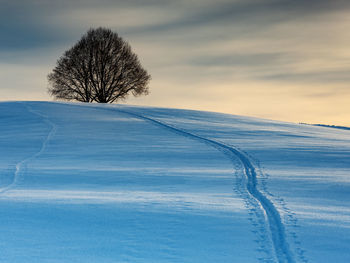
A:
[(115, 183)]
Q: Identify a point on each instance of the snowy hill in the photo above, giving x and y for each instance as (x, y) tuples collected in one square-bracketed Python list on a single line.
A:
[(114, 183)]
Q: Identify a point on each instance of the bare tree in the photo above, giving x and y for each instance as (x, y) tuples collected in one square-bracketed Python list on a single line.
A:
[(101, 67)]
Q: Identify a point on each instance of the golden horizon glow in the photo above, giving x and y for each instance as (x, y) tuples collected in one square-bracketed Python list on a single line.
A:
[(286, 61)]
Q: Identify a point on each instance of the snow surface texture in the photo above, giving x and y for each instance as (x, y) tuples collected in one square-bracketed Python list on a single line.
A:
[(112, 183)]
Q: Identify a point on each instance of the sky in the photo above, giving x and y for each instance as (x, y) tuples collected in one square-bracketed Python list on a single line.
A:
[(277, 59)]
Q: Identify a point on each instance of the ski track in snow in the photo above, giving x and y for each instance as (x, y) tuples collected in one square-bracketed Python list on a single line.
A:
[(276, 227), (21, 164), (249, 182)]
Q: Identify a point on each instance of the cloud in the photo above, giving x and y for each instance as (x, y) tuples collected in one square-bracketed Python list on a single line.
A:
[(212, 50)]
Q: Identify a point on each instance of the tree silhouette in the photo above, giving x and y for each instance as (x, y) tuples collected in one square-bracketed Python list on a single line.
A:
[(101, 67)]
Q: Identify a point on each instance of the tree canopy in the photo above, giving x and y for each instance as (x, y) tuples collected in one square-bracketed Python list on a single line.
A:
[(100, 67)]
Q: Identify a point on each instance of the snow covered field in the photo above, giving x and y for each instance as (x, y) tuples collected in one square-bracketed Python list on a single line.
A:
[(115, 183)]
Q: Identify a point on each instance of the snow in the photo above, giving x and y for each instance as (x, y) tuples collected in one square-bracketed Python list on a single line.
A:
[(116, 183)]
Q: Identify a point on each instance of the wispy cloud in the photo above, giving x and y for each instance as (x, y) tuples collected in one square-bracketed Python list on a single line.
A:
[(215, 55)]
